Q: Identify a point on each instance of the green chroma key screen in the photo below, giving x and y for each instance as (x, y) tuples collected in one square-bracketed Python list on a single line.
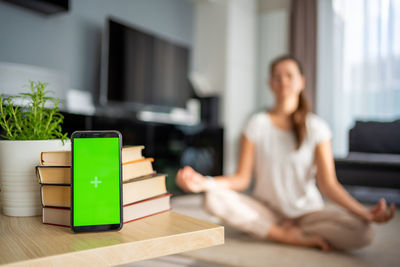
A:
[(96, 181)]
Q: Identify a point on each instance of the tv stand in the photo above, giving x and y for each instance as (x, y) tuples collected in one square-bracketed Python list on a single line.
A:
[(172, 145), (175, 116)]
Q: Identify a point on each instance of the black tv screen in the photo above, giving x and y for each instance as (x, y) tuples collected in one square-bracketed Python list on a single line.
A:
[(144, 69)]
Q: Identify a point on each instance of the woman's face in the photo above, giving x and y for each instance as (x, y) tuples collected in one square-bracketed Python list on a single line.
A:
[(286, 80)]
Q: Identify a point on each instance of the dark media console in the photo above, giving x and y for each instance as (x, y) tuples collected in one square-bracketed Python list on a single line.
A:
[(171, 146)]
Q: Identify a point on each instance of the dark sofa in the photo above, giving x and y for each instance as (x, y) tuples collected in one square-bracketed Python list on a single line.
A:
[(374, 155)]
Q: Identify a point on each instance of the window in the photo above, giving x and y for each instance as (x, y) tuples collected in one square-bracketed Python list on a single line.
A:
[(358, 64)]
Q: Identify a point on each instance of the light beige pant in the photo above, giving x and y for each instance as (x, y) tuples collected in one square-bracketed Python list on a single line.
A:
[(340, 229)]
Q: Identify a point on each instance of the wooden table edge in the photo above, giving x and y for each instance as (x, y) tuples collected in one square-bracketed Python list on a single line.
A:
[(122, 253)]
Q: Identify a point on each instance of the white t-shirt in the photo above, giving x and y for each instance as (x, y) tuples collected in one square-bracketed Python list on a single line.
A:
[(285, 176)]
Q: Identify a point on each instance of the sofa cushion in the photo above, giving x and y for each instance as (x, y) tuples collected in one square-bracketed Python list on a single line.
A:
[(375, 137)]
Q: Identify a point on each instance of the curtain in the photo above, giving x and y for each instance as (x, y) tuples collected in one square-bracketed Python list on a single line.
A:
[(303, 40), (359, 63)]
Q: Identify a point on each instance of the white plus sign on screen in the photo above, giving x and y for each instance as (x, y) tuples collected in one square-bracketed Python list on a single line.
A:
[(95, 182)]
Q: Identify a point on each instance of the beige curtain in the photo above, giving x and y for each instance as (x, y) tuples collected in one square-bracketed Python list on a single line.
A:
[(303, 41)]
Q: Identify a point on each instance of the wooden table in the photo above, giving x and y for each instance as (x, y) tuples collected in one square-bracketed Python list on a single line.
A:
[(26, 241)]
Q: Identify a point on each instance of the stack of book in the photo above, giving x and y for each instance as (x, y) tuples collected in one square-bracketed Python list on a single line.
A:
[(144, 191)]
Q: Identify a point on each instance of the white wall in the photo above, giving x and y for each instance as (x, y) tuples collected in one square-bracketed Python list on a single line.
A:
[(225, 55), (234, 42), (241, 66), (273, 41), (70, 42), (209, 43)]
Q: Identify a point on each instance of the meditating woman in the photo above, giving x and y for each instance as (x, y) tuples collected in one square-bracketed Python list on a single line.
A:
[(289, 149)]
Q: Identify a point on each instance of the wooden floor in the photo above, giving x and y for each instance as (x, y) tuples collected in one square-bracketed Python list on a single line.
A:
[(242, 250)]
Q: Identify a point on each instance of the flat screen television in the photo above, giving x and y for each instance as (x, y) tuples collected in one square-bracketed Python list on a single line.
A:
[(142, 70)]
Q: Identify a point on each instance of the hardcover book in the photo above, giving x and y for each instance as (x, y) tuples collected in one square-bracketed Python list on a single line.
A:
[(62, 174), (55, 195), (63, 158), (131, 212)]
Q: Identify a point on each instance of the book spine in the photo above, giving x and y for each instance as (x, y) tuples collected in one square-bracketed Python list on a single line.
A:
[(41, 158), (62, 225), (125, 222), (147, 216), (38, 174), (138, 160), (149, 199)]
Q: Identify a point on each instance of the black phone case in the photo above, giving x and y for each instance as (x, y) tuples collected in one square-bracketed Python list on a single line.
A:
[(105, 227)]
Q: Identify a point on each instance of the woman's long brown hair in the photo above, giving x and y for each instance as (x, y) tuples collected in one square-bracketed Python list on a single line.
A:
[(299, 116)]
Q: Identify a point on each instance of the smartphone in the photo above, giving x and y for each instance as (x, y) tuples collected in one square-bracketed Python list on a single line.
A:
[(96, 181)]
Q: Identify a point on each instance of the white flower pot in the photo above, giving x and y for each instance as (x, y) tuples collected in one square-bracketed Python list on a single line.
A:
[(20, 189)]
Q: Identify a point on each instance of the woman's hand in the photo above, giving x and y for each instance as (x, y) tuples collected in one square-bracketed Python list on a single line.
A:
[(190, 180), (380, 213), (329, 185)]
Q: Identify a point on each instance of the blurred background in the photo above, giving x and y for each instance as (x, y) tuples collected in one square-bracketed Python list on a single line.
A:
[(182, 76)]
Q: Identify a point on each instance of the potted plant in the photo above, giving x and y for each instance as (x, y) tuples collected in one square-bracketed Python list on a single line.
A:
[(30, 126)]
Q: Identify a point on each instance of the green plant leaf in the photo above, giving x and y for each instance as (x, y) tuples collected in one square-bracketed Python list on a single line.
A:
[(39, 119)]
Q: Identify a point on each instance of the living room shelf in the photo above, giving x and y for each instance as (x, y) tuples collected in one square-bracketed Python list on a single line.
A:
[(26, 241)]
